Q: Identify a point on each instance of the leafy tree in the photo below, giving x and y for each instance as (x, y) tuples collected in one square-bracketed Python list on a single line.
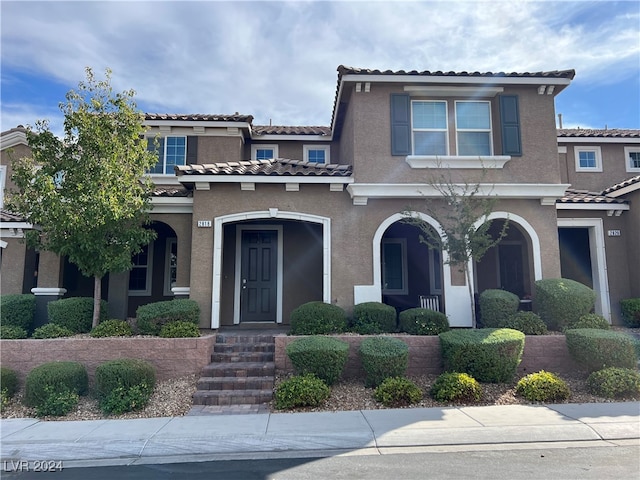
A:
[(461, 238), (87, 193)]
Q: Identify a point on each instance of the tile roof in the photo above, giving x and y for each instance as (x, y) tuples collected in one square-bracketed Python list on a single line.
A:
[(185, 117), (584, 196), (171, 191), (343, 70), (590, 132), (618, 186), (272, 167), (8, 217), (288, 130)]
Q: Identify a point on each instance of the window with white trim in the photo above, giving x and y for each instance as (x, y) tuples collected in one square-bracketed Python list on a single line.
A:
[(429, 127), (170, 266), (316, 153), (171, 151), (264, 152), (394, 266), (632, 159), (588, 159), (473, 128), (140, 273)]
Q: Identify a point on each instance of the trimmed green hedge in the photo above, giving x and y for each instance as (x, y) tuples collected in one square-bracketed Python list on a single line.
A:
[(112, 328), (397, 392), (614, 382), (301, 391), (124, 385), (317, 318), (496, 306), (543, 387), (152, 317), (422, 321), (590, 320), (489, 354), (526, 322), (560, 301), (75, 313), (17, 311), (179, 330), (11, 332), (596, 349), (382, 358), (325, 357), (631, 312), (371, 318), (8, 381), (456, 387), (51, 330), (54, 378)]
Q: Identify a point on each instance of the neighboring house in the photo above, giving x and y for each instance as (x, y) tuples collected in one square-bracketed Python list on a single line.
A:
[(253, 221)]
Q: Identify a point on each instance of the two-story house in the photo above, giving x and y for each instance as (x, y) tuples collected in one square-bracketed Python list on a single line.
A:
[(253, 221)]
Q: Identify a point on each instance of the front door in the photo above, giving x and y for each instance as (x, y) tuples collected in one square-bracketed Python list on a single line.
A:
[(259, 275)]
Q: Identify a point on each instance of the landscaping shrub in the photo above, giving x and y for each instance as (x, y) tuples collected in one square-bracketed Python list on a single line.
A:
[(560, 301), (614, 382), (324, 357), (456, 387), (397, 392), (57, 401), (52, 377), (301, 391), (590, 320), (526, 322), (317, 318), (75, 313), (631, 312), (496, 306), (17, 311), (543, 387), (371, 318), (489, 354), (112, 328), (151, 317), (122, 399), (179, 330), (51, 330), (422, 321), (124, 385), (8, 381), (11, 332), (382, 358), (597, 349)]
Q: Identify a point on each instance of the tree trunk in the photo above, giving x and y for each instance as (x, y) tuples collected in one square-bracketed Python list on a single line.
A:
[(467, 275), (97, 296)]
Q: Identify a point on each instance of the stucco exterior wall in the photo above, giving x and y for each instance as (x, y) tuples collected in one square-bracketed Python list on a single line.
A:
[(219, 149), (13, 267)]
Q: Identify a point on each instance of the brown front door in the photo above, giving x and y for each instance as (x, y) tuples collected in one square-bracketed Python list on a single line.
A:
[(258, 298)]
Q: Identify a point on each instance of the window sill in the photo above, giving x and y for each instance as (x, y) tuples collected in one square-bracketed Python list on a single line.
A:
[(457, 161)]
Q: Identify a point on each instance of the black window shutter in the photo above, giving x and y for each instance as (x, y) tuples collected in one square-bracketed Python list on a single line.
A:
[(192, 150), (400, 124), (510, 120)]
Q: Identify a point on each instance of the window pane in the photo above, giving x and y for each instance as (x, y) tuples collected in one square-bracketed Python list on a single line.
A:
[(429, 115), (138, 279), (316, 156), (587, 159), (473, 115), (430, 143), (159, 152), (175, 152), (634, 158), (264, 153), (392, 266), (474, 143)]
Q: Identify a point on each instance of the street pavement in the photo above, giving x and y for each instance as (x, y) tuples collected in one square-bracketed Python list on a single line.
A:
[(293, 435)]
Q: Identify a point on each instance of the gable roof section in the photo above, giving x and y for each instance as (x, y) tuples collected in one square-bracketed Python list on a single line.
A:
[(290, 130), (600, 133), (198, 117), (273, 167), (584, 200), (565, 74), (15, 136), (627, 186)]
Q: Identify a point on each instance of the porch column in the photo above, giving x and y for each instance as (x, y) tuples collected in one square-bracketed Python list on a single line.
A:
[(49, 285), (118, 295)]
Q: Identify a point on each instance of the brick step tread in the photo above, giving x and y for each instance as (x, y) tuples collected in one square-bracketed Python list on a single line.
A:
[(244, 347), (231, 339), (239, 369), (235, 383), (244, 357), (231, 397)]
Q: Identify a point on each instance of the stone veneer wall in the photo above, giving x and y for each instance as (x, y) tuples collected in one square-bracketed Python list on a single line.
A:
[(544, 352), (172, 357)]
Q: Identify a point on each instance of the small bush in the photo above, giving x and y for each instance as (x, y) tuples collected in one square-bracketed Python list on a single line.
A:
[(51, 330), (57, 402), (153, 316), (614, 382), (371, 318), (631, 312), (125, 373), (324, 357), (397, 392), (126, 399), (590, 320), (526, 322), (317, 318), (543, 387), (75, 313), (112, 328), (54, 377), (422, 321), (302, 391), (5, 400), (11, 332), (597, 349), (489, 354), (456, 387), (560, 301), (496, 306), (8, 381), (17, 311), (382, 358), (179, 330)]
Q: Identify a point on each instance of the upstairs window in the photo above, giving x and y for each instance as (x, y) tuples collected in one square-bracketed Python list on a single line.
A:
[(588, 159), (429, 123), (264, 152), (632, 158), (316, 154), (473, 128), (170, 151)]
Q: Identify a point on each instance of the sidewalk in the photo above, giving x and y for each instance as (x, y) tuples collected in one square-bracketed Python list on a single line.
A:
[(218, 437)]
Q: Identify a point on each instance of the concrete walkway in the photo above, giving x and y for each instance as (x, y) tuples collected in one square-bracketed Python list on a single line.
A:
[(218, 437)]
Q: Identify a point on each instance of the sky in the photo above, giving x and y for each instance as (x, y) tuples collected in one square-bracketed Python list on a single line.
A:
[(277, 61)]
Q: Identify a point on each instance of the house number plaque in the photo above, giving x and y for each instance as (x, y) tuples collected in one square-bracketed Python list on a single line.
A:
[(204, 223)]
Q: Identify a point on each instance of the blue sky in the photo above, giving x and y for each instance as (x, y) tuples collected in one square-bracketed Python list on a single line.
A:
[(277, 60)]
